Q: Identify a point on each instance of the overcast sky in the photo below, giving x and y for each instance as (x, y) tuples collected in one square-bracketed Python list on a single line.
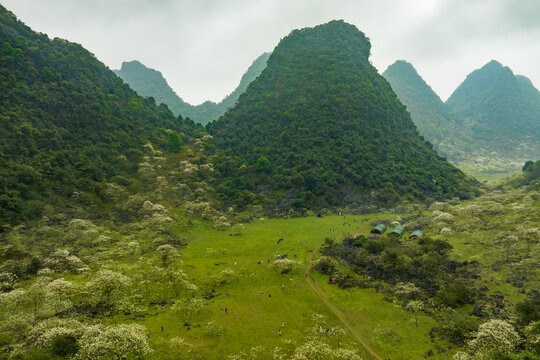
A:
[(203, 47)]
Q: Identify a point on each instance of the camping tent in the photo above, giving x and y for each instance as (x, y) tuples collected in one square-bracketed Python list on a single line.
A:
[(416, 233), (379, 229), (398, 230)]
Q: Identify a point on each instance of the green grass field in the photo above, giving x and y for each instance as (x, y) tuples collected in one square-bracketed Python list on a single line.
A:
[(257, 305)]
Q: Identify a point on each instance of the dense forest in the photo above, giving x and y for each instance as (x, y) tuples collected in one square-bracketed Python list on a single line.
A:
[(321, 127), (68, 123), (499, 110), (149, 82)]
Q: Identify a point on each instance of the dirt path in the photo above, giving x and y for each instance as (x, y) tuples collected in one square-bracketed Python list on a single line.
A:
[(312, 282)]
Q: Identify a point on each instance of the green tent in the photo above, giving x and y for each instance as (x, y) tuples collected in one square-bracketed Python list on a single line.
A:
[(379, 229), (416, 233), (398, 230)]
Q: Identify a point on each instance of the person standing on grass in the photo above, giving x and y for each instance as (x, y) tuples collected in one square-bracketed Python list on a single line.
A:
[(283, 324), (279, 332)]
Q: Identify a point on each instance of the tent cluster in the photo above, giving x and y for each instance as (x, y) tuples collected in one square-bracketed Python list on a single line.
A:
[(398, 230)]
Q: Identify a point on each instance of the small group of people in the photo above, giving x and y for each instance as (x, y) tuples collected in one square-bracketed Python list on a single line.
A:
[(282, 325), (327, 330)]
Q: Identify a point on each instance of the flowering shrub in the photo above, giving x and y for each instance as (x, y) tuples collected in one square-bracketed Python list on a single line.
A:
[(493, 338), (285, 265), (7, 281), (106, 287), (62, 260), (115, 343)]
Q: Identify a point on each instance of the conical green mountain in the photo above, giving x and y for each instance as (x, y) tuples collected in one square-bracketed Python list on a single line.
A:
[(149, 82), (67, 123), (321, 127), (431, 116), (501, 110)]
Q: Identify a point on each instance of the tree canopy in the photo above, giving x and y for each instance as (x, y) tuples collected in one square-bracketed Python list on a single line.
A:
[(331, 127)]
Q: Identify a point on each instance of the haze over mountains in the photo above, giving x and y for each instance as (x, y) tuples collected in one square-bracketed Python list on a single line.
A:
[(477, 124), (149, 82), (434, 120), (500, 110), (493, 113)]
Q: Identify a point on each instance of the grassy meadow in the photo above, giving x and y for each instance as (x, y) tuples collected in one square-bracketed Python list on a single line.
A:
[(257, 304)]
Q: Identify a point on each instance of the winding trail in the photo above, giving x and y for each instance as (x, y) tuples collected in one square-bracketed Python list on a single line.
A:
[(312, 282)]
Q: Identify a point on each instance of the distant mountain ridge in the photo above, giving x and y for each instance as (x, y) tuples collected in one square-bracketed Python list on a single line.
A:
[(149, 82), (500, 110), (320, 127), (490, 125), (431, 116)]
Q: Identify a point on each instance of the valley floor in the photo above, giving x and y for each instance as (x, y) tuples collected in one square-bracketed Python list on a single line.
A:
[(255, 294), (257, 304)]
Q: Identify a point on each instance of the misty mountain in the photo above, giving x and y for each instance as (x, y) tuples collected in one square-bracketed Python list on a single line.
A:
[(500, 110), (320, 126), (149, 82), (431, 116)]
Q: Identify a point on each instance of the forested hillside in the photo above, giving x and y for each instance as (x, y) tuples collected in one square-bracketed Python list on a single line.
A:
[(431, 116), (500, 110), (67, 122), (149, 82), (321, 127)]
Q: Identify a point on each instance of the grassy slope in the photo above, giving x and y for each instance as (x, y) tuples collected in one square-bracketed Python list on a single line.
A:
[(485, 246)]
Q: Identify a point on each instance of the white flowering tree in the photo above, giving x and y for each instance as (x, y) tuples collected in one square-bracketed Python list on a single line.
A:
[(59, 293), (114, 343), (44, 334), (167, 254), (415, 306), (16, 326), (13, 301), (407, 291), (106, 287), (62, 260), (493, 338), (189, 308), (177, 280), (7, 281), (321, 350), (237, 229), (532, 331), (94, 342), (285, 266), (36, 293)]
